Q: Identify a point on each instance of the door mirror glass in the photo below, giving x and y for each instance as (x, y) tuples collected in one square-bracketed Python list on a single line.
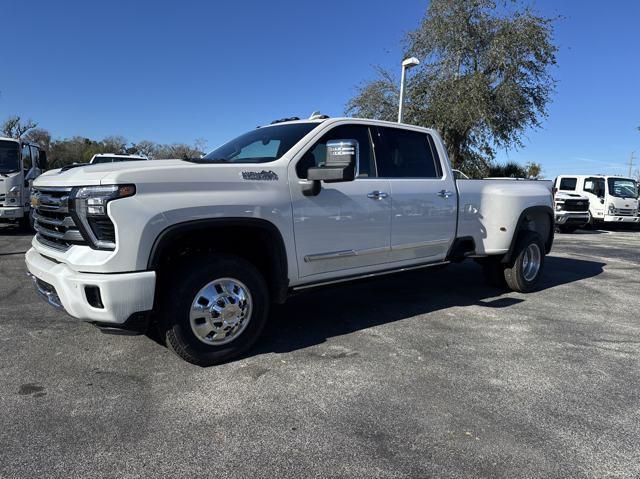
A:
[(588, 185), (43, 163), (340, 162)]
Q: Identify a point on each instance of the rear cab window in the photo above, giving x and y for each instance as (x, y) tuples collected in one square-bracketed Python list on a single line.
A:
[(406, 154)]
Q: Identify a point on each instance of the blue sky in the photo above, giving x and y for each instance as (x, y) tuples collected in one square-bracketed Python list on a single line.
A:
[(177, 71)]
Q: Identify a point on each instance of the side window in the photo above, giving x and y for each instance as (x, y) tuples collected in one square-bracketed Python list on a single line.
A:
[(594, 186), (26, 157), (568, 184), (407, 154), (315, 155)]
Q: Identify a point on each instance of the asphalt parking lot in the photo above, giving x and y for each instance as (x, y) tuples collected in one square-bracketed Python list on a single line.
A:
[(429, 374)]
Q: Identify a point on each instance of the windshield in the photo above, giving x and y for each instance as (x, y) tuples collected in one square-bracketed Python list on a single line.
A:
[(9, 157), (623, 188), (260, 145), (113, 159)]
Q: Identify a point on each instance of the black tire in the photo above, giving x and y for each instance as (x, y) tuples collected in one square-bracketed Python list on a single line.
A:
[(493, 271), (27, 223), (567, 229), (515, 273), (178, 296)]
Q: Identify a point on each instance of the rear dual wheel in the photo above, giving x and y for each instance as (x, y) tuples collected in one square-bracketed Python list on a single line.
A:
[(525, 267)]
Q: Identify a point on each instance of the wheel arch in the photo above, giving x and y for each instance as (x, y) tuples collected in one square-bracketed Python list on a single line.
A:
[(271, 253), (535, 218)]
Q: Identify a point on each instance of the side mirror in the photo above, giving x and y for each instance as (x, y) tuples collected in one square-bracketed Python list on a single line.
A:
[(340, 164), (43, 163)]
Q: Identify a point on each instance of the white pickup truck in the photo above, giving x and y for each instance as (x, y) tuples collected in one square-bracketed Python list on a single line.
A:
[(204, 246)]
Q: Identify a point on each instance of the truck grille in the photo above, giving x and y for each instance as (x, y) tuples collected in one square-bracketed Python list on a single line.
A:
[(625, 212), (576, 205), (54, 224)]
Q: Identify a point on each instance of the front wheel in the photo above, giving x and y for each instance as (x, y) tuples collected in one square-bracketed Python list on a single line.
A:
[(525, 268), (215, 310)]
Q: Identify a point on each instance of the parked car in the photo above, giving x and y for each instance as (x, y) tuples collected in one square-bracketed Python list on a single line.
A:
[(112, 158), (571, 211), (20, 163), (612, 199), (207, 244)]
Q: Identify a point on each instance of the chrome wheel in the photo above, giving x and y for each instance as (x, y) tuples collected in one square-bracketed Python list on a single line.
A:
[(220, 311), (531, 260)]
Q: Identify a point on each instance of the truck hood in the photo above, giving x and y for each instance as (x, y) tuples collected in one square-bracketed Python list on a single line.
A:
[(167, 175), (106, 173), (562, 196)]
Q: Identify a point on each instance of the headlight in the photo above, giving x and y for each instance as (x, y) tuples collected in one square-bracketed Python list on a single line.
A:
[(90, 208), (559, 206), (612, 209), (13, 194)]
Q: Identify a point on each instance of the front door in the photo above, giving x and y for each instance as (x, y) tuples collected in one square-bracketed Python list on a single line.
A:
[(346, 226)]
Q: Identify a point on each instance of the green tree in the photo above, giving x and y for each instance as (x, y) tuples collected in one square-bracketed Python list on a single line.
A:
[(483, 79)]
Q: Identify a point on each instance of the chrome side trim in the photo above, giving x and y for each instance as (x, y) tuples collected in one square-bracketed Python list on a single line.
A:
[(421, 244), (332, 255), (368, 275), (345, 254)]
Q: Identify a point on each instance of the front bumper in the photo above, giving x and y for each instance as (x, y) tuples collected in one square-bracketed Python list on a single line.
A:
[(563, 218), (122, 294), (621, 219), (11, 212)]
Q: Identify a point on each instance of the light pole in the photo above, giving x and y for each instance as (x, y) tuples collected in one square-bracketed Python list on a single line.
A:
[(406, 64)]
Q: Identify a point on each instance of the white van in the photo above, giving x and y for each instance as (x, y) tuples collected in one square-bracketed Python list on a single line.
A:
[(612, 199)]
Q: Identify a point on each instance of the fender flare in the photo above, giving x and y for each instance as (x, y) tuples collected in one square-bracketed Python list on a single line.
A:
[(519, 227), (277, 250)]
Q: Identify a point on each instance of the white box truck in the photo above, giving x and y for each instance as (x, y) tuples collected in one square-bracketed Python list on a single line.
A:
[(20, 163)]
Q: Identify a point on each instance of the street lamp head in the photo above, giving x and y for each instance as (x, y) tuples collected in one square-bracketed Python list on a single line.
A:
[(410, 62)]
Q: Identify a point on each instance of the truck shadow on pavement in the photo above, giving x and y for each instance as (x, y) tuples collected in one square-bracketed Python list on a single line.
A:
[(311, 318)]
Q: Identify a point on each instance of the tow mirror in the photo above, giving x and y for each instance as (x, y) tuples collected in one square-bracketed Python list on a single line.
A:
[(43, 163), (340, 164)]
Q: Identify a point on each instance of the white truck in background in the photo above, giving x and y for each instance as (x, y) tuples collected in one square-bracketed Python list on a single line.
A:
[(571, 211), (612, 199), (203, 246), (20, 163)]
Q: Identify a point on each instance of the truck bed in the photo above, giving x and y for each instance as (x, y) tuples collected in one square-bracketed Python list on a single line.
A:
[(489, 210)]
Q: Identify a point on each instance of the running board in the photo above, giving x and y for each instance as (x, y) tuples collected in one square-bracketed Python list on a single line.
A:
[(368, 275)]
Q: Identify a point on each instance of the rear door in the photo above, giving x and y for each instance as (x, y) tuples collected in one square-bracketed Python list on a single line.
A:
[(424, 197)]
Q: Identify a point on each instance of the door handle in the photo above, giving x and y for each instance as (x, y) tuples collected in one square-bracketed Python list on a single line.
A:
[(377, 195), (445, 193)]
